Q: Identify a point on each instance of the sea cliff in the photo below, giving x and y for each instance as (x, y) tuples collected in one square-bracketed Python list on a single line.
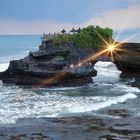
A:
[(53, 64), (60, 64)]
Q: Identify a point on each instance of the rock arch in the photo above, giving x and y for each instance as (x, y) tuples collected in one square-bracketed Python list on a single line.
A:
[(39, 68)]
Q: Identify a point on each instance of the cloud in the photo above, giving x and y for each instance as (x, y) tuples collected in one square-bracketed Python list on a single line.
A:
[(128, 18), (32, 27), (129, 1)]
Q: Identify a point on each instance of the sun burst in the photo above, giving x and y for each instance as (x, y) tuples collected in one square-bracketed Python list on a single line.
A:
[(111, 48)]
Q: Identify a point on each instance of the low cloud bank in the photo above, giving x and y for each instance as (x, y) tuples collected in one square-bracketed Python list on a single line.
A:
[(119, 19)]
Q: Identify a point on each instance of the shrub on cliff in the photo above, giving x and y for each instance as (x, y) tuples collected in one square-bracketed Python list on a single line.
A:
[(90, 36)]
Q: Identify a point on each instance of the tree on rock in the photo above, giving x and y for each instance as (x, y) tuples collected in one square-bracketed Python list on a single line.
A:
[(63, 31), (72, 30)]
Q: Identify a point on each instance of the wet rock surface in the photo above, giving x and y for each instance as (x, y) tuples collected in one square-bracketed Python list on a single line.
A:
[(81, 127)]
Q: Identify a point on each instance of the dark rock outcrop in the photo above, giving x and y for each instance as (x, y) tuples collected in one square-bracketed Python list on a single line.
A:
[(127, 59), (59, 64), (51, 65)]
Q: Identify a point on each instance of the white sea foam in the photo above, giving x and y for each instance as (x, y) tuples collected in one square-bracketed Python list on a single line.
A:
[(3, 66), (102, 102), (127, 88), (63, 88), (106, 73), (16, 102), (115, 100), (31, 105), (19, 103)]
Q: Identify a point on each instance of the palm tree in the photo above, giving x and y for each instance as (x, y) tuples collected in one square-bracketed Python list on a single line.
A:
[(72, 30), (78, 31), (63, 31)]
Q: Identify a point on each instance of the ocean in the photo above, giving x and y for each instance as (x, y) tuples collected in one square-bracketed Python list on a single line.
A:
[(108, 91)]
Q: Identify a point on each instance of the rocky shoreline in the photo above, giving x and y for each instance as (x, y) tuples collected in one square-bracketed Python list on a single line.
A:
[(52, 65), (81, 127), (61, 64), (57, 61)]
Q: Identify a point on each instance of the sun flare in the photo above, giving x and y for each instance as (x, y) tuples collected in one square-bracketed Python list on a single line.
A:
[(111, 48)]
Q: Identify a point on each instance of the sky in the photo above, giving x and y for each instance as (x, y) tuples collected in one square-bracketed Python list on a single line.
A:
[(49, 16)]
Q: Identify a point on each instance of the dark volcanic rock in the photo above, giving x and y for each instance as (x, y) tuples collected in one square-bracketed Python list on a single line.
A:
[(73, 128), (127, 59), (119, 112), (51, 65)]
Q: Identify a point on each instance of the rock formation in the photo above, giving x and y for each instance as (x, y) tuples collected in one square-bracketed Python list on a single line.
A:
[(52, 65), (59, 64), (127, 59)]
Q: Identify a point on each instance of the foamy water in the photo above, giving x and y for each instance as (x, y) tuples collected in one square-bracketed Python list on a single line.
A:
[(107, 90), (3, 66)]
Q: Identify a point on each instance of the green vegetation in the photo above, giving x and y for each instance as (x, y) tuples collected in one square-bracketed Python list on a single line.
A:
[(57, 59), (90, 36)]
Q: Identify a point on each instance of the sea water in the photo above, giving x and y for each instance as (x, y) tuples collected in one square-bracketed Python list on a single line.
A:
[(107, 91)]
